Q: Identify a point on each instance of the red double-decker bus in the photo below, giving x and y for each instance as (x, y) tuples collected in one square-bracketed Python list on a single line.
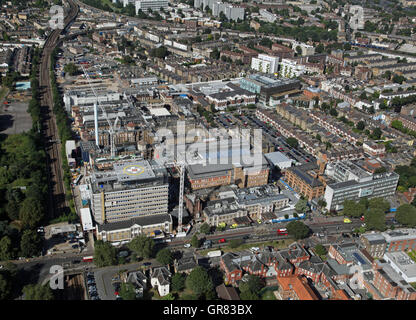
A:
[(88, 259), (282, 232)]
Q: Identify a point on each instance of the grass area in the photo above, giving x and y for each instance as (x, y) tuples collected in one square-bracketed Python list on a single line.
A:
[(268, 295), (413, 284), (412, 255), (279, 244)]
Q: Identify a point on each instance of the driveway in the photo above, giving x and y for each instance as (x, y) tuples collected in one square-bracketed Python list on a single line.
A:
[(103, 277)]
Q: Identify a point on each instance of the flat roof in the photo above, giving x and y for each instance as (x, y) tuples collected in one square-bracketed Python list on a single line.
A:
[(403, 262), (277, 157), (86, 219), (159, 112)]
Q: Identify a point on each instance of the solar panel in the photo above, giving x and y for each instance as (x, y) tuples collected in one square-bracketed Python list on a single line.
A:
[(358, 257)]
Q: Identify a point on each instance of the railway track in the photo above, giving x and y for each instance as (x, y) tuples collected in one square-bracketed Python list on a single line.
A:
[(57, 204)]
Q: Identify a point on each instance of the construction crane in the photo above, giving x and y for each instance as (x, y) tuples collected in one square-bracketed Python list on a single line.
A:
[(111, 126)]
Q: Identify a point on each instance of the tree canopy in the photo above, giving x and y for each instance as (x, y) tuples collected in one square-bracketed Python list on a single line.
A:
[(301, 206), (127, 291), (205, 228), (164, 256), (104, 254), (406, 215), (293, 142), (199, 281), (38, 292), (142, 246), (178, 282), (30, 244), (375, 219), (298, 229)]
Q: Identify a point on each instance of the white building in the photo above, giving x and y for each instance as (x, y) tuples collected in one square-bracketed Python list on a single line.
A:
[(154, 5), (86, 219), (160, 278), (402, 264), (270, 17), (354, 183), (278, 159), (290, 69), (265, 63)]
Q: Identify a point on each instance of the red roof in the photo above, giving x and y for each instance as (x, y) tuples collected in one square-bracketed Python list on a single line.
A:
[(299, 285)]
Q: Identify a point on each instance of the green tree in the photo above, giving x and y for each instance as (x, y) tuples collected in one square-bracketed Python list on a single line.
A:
[(6, 248), (406, 215), (199, 281), (71, 69), (104, 254), (376, 134), (205, 228), (195, 241), (320, 48), (142, 246), (30, 244), (320, 250), (375, 219), (301, 206), (292, 142), (297, 229), (178, 282), (254, 284), (5, 287), (333, 112), (31, 213), (38, 292), (160, 52), (360, 125), (353, 209), (128, 291), (164, 256), (248, 295), (169, 296), (379, 204)]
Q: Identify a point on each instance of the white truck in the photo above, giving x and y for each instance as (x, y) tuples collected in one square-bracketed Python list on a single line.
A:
[(181, 234), (215, 253)]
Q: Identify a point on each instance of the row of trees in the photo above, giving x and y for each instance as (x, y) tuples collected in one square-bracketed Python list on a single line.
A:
[(374, 211), (63, 124), (23, 183), (142, 247)]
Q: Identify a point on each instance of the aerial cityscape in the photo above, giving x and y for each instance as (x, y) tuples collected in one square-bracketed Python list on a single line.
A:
[(211, 150)]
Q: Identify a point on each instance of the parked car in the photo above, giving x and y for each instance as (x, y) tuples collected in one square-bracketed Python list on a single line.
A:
[(187, 245), (221, 240)]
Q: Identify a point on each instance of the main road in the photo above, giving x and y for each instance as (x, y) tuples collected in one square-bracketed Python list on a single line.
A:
[(57, 204)]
